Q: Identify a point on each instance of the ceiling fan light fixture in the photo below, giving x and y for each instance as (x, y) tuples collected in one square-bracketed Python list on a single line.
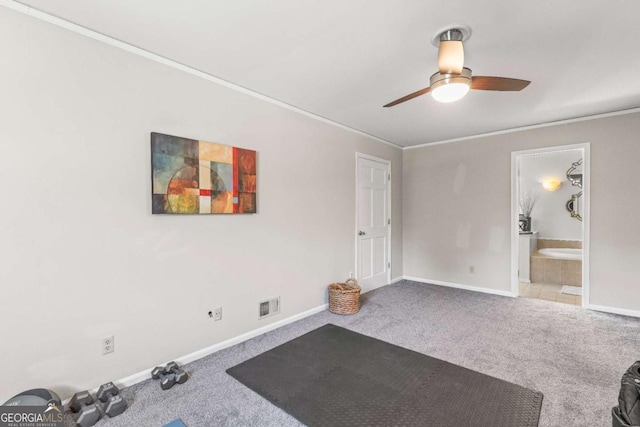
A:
[(450, 87), (450, 92)]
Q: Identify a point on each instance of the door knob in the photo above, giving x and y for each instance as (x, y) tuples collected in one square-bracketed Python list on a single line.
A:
[(361, 233)]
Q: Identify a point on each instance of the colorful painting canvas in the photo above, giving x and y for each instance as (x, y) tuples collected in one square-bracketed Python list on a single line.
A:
[(198, 177)]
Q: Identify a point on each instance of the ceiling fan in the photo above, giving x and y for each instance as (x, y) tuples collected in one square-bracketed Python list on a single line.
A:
[(453, 80)]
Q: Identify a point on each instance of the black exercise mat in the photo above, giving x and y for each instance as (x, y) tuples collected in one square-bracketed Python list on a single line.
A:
[(335, 377)]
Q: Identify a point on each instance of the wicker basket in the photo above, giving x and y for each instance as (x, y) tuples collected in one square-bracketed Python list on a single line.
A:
[(344, 298)]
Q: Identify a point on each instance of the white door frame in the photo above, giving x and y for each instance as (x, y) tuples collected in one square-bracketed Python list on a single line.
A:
[(355, 233), (586, 218)]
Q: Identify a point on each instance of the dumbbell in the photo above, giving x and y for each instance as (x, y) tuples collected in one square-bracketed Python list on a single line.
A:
[(87, 413), (112, 403), (169, 375), (181, 376), (166, 381)]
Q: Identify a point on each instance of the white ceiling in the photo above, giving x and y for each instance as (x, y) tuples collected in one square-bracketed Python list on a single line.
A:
[(343, 60)]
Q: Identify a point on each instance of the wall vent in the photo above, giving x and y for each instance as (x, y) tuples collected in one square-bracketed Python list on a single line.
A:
[(269, 307)]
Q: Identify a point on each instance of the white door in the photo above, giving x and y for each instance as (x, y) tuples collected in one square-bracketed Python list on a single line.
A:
[(373, 222)]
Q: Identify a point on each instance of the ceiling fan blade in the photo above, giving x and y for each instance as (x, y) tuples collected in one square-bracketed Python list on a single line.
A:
[(498, 83), (450, 57), (408, 97)]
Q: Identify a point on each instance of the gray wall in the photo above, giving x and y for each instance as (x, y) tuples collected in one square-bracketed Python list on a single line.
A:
[(82, 256), (456, 207)]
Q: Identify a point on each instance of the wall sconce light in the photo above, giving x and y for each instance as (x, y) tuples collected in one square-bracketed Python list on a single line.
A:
[(551, 184)]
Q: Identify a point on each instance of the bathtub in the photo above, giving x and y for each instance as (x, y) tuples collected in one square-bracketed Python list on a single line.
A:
[(562, 253)]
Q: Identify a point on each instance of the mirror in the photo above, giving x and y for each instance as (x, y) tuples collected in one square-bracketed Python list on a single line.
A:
[(574, 174), (574, 206)]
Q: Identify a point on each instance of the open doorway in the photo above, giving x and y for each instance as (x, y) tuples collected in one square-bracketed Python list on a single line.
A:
[(550, 224)]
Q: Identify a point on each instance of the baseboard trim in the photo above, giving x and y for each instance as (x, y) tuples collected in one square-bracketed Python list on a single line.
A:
[(199, 354), (396, 280), (614, 310), (459, 286)]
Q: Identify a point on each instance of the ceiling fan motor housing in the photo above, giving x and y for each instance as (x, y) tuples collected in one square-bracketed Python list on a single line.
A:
[(439, 79), (449, 87)]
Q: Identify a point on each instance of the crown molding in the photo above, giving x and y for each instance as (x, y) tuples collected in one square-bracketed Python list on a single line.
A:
[(67, 25), (519, 129)]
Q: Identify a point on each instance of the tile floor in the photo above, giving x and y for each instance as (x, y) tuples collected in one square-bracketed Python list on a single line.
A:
[(548, 292)]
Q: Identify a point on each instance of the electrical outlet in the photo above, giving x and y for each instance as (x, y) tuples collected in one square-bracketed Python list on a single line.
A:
[(350, 275), (108, 345), (472, 269), (217, 313)]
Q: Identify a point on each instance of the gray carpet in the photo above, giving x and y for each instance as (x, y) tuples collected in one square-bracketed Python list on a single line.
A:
[(573, 356)]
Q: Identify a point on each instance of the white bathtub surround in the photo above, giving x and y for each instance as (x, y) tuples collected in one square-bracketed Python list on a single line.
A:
[(562, 253), (571, 290)]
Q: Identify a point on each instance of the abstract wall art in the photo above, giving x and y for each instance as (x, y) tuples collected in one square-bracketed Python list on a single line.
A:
[(198, 177)]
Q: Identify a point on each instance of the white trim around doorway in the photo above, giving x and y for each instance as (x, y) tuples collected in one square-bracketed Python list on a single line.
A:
[(586, 190)]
